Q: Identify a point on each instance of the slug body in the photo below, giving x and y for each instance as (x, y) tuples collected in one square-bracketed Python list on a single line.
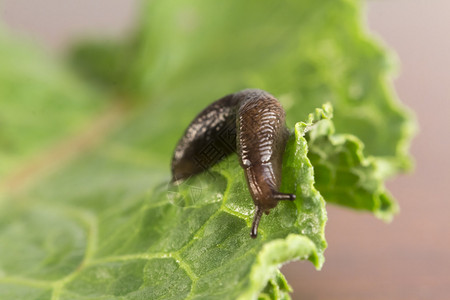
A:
[(251, 123)]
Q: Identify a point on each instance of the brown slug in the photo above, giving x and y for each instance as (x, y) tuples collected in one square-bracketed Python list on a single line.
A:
[(251, 123)]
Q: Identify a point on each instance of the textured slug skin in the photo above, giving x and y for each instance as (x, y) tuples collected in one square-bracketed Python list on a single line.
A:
[(251, 123), (209, 138)]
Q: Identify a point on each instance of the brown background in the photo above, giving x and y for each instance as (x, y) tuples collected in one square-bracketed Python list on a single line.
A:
[(366, 259)]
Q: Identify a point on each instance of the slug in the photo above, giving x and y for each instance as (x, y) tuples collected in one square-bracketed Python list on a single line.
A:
[(250, 123)]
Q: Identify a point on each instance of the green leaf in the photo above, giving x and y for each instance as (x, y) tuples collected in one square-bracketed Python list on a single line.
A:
[(41, 103), (169, 243), (100, 63), (345, 176), (277, 288), (108, 225)]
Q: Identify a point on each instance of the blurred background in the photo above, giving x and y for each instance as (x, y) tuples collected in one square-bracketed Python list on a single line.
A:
[(366, 259)]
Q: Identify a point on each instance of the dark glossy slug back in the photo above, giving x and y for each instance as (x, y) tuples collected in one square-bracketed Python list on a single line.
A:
[(209, 138)]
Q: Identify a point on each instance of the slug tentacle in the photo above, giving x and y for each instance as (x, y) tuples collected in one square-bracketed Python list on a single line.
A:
[(251, 123), (283, 196), (255, 224)]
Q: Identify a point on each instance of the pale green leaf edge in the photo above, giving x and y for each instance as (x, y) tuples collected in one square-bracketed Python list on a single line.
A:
[(385, 215), (272, 256), (380, 174)]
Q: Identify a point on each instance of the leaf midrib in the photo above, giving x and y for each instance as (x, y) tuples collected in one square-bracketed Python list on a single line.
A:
[(67, 149)]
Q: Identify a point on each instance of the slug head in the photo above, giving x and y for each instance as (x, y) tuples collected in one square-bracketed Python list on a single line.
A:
[(276, 196)]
